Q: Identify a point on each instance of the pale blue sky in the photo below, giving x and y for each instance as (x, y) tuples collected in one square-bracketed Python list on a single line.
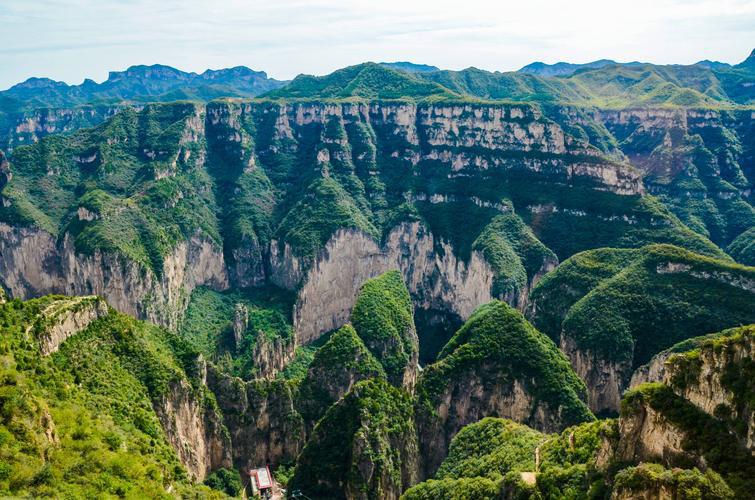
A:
[(71, 40)]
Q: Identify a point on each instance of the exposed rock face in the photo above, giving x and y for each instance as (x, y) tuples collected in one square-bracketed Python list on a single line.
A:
[(494, 366), (264, 426), (605, 379), (647, 436), (435, 277), (705, 378), (67, 317), (240, 323), (271, 355), (442, 132), (326, 298), (655, 371), (32, 264), (698, 161), (194, 429), (472, 397), (28, 128)]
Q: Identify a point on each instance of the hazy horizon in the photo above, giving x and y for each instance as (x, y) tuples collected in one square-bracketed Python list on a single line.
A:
[(74, 40)]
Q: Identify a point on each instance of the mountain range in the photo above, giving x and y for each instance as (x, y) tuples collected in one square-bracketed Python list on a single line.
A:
[(392, 281)]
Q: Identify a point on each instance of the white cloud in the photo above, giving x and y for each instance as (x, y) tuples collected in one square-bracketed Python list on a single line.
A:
[(71, 40)]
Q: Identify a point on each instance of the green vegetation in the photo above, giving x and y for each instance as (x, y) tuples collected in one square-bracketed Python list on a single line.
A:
[(742, 249), (326, 208), (495, 455), (704, 436), (574, 278), (225, 480), (106, 186), (736, 372), (499, 345), (610, 86), (297, 368), (468, 488), (341, 362), (208, 324), (370, 429), (383, 319), (80, 423), (363, 81), (666, 295), (491, 448), (514, 253), (684, 484)]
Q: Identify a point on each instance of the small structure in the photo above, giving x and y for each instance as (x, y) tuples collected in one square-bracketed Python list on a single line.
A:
[(262, 481)]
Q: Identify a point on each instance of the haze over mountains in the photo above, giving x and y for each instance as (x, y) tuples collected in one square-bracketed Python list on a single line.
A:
[(391, 281)]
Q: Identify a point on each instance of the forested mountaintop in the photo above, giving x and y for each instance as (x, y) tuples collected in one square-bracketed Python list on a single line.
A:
[(390, 281), (603, 83)]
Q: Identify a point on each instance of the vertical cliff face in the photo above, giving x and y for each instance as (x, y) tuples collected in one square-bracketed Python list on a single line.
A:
[(364, 447), (647, 436), (712, 373), (697, 161), (260, 416), (28, 128), (33, 263), (194, 429), (664, 296), (66, 317), (495, 365), (605, 379)]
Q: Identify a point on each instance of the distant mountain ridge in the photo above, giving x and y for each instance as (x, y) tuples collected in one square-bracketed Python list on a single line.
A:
[(563, 68), (139, 84), (410, 67)]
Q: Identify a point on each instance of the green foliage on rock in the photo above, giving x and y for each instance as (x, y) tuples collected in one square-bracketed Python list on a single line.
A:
[(361, 446), (341, 362), (499, 455), (742, 249), (80, 423), (226, 480), (383, 318), (363, 81), (208, 324), (116, 187), (466, 488), (574, 278), (325, 209), (703, 435), (666, 295), (498, 340), (514, 253), (491, 448), (684, 484)]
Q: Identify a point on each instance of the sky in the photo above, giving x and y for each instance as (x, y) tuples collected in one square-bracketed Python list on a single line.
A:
[(70, 40)]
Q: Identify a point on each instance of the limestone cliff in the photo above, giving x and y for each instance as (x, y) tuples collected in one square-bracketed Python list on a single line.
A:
[(66, 317), (30, 127), (711, 372), (605, 378), (194, 428), (260, 416), (436, 278), (495, 365), (647, 436), (33, 263)]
